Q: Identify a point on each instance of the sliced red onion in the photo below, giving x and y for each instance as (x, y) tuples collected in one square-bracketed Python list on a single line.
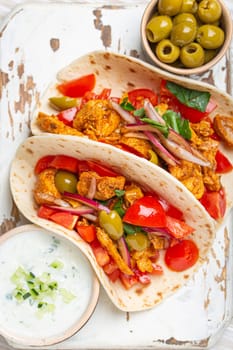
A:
[(152, 113), (142, 127), (123, 249), (90, 217), (92, 188), (76, 211), (129, 118), (161, 150), (90, 202), (183, 153), (137, 135)]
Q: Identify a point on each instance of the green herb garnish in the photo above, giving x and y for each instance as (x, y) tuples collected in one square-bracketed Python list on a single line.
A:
[(177, 123), (126, 105), (161, 127), (191, 98)]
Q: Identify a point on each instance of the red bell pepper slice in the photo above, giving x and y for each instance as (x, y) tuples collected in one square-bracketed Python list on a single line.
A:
[(177, 228), (77, 87), (146, 211), (214, 203), (43, 163), (100, 169), (223, 164), (67, 116), (137, 96), (182, 255), (66, 163), (87, 233)]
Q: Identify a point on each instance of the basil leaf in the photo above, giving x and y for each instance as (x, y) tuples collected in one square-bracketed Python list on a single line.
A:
[(163, 128), (191, 98), (126, 105), (131, 229), (139, 112), (180, 125)]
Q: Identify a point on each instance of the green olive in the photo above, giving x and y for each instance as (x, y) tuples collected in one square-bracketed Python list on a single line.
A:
[(169, 7), (192, 55), (184, 17), (166, 51), (63, 102), (158, 28), (183, 33), (111, 223), (137, 241), (65, 181), (189, 6), (210, 36), (209, 11), (209, 54)]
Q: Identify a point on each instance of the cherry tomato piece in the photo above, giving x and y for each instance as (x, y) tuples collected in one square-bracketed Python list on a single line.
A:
[(177, 228), (136, 97), (66, 220), (214, 203), (182, 255), (223, 164), (146, 211), (67, 116), (87, 233), (77, 87), (100, 169), (43, 163)]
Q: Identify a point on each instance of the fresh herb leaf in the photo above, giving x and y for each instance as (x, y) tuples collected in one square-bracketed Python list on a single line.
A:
[(191, 98), (126, 105), (139, 112), (131, 229), (120, 193), (161, 127), (180, 125), (119, 207)]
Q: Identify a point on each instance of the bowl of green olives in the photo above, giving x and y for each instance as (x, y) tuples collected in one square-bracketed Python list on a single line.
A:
[(186, 36)]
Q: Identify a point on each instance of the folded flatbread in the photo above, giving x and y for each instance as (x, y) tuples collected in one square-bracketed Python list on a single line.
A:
[(150, 177)]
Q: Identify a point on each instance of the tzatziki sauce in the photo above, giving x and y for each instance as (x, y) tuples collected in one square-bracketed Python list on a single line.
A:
[(36, 251)]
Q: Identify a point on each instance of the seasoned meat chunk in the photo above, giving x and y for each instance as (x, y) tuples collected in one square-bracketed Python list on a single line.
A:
[(132, 192), (140, 145), (190, 175), (105, 185), (97, 119), (107, 243), (45, 190), (224, 128), (143, 259), (51, 124)]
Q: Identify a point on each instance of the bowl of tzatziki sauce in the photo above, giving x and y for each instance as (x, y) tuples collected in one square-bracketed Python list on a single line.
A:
[(48, 287)]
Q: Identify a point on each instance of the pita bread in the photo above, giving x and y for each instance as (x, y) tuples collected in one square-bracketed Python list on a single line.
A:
[(22, 181), (121, 73)]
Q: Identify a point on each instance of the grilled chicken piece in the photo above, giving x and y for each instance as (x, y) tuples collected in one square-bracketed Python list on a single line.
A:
[(45, 190), (140, 145), (143, 259), (132, 193), (105, 185), (224, 128), (51, 124), (97, 119), (107, 243)]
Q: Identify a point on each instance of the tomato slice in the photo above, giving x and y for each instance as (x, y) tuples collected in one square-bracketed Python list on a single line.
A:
[(146, 211), (66, 220), (67, 116), (45, 212), (171, 210), (100, 169), (100, 253), (223, 164), (214, 203), (137, 96), (182, 255), (87, 233), (77, 87), (66, 163), (178, 228), (43, 163)]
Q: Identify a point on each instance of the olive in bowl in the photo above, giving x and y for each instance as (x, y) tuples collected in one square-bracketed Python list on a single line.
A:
[(186, 36)]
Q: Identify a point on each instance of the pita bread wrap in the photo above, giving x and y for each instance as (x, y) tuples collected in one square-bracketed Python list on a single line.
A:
[(22, 181), (120, 74)]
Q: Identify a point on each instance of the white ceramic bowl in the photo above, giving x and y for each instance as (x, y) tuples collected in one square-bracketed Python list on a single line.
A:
[(40, 252)]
